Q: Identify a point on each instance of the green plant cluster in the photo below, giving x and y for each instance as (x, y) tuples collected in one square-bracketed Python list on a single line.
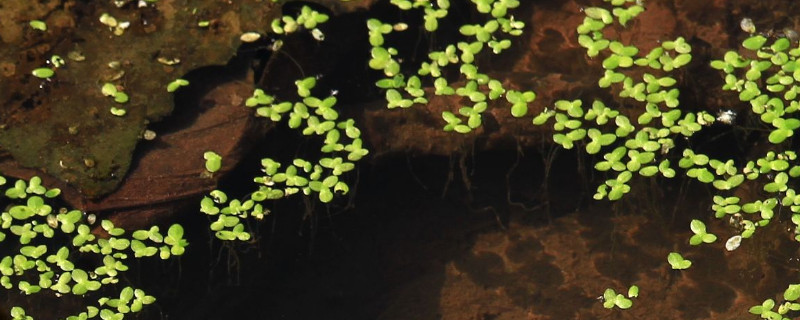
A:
[(476, 89), (49, 244), (229, 224), (764, 76), (313, 117), (647, 151), (641, 146), (307, 19), (790, 304), (613, 299), (111, 90)]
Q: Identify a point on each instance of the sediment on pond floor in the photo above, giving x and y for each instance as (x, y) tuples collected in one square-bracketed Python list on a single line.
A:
[(408, 249), (404, 251)]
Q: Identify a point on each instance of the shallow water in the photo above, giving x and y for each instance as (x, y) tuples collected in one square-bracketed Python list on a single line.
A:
[(424, 237)]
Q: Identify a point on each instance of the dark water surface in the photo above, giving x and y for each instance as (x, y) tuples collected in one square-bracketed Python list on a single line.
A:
[(501, 232)]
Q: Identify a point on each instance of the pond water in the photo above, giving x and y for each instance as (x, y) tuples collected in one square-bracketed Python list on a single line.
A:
[(500, 225), (406, 252)]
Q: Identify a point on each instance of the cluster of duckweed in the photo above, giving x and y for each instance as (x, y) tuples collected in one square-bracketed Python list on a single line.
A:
[(49, 243), (613, 299), (476, 89), (44, 264), (311, 116), (764, 75), (630, 145)]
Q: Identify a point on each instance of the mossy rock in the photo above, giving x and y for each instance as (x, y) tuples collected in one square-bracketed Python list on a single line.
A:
[(63, 126)]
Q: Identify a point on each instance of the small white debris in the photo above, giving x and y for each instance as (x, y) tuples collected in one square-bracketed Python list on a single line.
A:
[(726, 116), (250, 37), (120, 29), (52, 221), (400, 26), (149, 134), (747, 25), (317, 34), (90, 218), (276, 45), (733, 243), (736, 219), (168, 61)]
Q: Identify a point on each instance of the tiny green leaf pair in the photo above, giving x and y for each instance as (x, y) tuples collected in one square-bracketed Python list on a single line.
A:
[(376, 31), (677, 262), (611, 298), (784, 128), (700, 233), (482, 33), (177, 84)]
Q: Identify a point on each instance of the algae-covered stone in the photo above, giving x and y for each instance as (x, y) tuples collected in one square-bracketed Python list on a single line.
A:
[(51, 123)]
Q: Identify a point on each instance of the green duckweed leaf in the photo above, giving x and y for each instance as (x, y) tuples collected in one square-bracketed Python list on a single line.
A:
[(755, 42), (677, 262)]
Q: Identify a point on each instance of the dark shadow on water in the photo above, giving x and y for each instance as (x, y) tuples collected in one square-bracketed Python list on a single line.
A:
[(364, 264)]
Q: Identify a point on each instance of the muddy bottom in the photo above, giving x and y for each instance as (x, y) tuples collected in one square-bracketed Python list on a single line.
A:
[(406, 252)]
